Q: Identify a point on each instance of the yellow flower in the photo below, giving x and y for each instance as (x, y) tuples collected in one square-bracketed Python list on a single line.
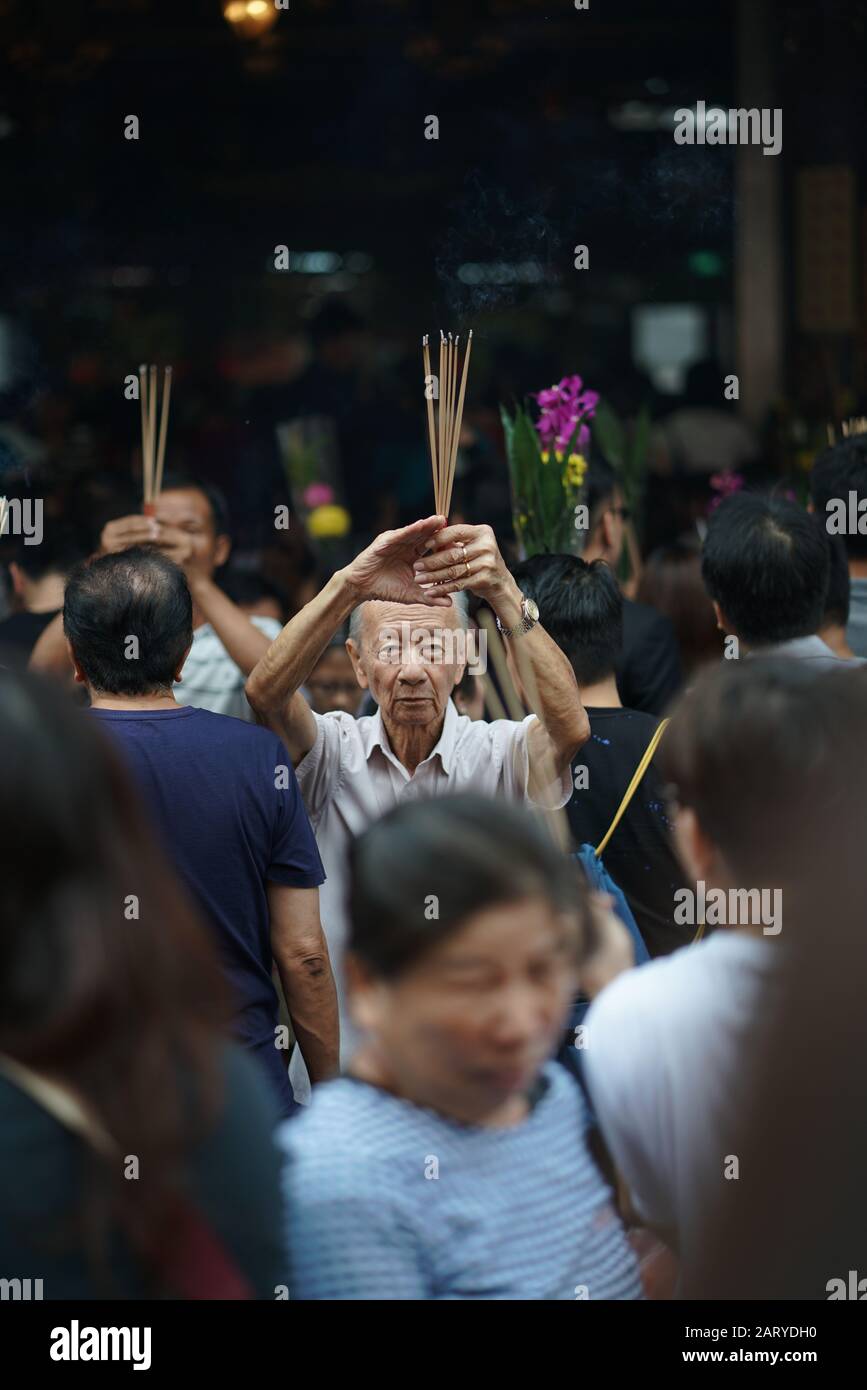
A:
[(576, 469), (522, 520), (328, 522), (545, 455), (558, 456)]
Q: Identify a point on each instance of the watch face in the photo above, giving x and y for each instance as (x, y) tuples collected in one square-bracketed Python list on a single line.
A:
[(532, 610)]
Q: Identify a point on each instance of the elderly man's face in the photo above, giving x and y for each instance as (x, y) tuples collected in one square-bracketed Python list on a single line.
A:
[(410, 658)]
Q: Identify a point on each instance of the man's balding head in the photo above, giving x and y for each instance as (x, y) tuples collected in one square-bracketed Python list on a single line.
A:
[(129, 622)]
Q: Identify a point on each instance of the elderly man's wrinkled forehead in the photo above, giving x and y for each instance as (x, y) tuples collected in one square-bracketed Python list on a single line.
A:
[(378, 616)]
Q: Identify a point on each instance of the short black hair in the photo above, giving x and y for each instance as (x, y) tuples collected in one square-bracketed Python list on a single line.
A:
[(839, 584), (839, 470), (139, 594), (59, 550), (183, 482), (580, 607), (472, 852), (248, 586), (766, 565)]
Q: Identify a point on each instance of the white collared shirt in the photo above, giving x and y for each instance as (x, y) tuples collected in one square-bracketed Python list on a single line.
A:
[(351, 777)]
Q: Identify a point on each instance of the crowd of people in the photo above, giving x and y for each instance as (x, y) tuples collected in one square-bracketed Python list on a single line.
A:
[(318, 980)]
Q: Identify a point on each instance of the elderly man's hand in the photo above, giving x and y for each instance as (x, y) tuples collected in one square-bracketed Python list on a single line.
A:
[(466, 557), (385, 569)]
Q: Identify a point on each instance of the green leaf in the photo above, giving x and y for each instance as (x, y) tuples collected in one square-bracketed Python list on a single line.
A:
[(526, 450), (508, 429), (609, 434)]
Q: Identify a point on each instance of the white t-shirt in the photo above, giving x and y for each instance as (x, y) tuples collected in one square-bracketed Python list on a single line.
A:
[(211, 680), (667, 1053)]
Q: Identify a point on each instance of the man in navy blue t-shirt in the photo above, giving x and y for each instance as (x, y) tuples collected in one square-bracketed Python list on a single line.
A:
[(223, 797)]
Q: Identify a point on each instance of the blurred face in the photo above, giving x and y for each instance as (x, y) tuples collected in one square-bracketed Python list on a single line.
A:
[(613, 524), (466, 1030), (408, 659), (189, 510), (263, 607), (332, 684)]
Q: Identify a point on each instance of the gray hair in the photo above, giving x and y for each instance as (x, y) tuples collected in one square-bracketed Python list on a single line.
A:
[(459, 599)]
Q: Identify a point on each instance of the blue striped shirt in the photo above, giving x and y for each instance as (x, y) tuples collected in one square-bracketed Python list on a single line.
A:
[(386, 1200)]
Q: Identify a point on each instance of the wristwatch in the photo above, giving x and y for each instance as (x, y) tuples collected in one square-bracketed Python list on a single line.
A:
[(529, 619)]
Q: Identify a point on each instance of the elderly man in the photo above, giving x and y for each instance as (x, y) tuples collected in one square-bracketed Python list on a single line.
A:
[(398, 595)]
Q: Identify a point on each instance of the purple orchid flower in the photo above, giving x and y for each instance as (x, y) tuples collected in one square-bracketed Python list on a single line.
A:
[(562, 408)]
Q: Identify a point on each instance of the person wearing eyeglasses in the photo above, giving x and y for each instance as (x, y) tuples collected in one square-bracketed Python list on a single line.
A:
[(331, 684)]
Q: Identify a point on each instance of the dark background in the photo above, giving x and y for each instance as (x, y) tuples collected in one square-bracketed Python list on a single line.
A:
[(552, 132)]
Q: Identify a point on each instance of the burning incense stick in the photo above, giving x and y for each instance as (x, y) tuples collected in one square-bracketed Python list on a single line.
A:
[(458, 421), (441, 416), (450, 443), (164, 426), (145, 450), (447, 416), (431, 427), (152, 433), (153, 459), (445, 433)]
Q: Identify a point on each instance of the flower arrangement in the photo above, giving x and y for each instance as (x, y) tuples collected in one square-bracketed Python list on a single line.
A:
[(328, 522), (548, 469), (308, 449)]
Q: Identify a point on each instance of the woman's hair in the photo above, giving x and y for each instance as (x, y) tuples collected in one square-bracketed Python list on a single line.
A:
[(107, 983), (796, 1219), (671, 583), (463, 854)]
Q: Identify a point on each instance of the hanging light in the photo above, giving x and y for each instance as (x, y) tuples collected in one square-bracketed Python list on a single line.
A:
[(250, 18)]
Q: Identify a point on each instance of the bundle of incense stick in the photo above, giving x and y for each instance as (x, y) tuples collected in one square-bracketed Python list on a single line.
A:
[(153, 458), (856, 424), (445, 432)]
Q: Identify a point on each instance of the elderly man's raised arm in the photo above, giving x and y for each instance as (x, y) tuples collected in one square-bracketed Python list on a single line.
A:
[(273, 686), (383, 571), (467, 557)]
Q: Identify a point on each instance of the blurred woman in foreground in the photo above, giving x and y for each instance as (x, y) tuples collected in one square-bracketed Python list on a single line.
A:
[(135, 1151), (452, 1161)]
